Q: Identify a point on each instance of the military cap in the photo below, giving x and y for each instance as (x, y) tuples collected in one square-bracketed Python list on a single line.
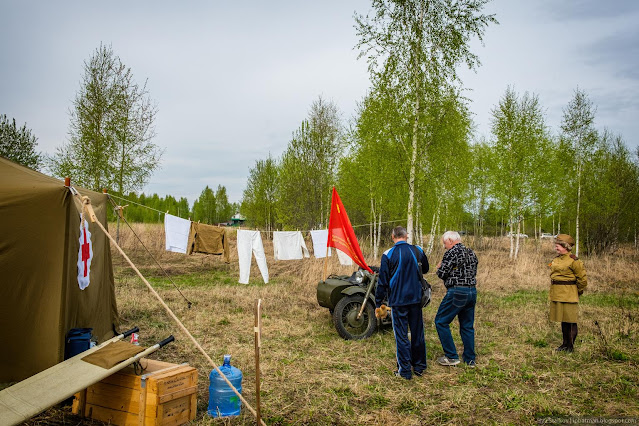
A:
[(565, 238)]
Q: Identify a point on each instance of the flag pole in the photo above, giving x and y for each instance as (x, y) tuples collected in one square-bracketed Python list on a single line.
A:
[(325, 264)]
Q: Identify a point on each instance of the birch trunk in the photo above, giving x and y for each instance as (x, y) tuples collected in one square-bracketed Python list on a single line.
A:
[(434, 229), (371, 229), (578, 205), (517, 239), (411, 175), (510, 233), (379, 235)]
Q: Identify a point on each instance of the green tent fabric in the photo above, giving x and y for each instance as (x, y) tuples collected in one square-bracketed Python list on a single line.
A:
[(40, 299)]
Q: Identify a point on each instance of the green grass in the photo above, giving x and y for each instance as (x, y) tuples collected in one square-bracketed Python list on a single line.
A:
[(311, 376)]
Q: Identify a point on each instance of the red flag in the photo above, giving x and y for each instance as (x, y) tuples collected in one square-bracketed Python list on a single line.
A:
[(341, 234)]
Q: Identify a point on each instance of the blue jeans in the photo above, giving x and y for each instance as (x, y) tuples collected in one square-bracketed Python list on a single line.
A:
[(458, 302)]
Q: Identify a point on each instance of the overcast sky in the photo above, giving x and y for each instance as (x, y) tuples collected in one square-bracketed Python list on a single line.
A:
[(233, 80)]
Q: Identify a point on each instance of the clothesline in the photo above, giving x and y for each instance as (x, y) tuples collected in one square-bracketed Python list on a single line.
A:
[(133, 202), (266, 232)]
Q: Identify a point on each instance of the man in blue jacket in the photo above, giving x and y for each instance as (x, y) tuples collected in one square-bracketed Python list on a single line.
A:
[(400, 280)]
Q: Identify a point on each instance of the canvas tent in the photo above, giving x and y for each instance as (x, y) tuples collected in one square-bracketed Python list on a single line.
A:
[(40, 299)]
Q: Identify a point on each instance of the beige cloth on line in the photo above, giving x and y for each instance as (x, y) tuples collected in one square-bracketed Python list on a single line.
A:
[(113, 354), (209, 240)]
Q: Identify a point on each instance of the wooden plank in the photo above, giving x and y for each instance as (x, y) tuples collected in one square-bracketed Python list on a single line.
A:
[(142, 406), (173, 415), (115, 397), (173, 381), (169, 384), (163, 399), (177, 409)]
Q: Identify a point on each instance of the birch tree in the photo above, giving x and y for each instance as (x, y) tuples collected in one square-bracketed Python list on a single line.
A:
[(110, 131), (308, 168), (413, 47), (578, 131), (260, 196), (519, 129)]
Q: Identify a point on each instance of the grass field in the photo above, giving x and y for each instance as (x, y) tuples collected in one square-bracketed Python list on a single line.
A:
[(311, 376)]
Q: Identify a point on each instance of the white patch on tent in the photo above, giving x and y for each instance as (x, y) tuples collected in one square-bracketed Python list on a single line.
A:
[(85, 255)]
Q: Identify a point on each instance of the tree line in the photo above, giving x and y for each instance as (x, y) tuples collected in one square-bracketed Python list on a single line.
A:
[(211, 207), (409, 156)]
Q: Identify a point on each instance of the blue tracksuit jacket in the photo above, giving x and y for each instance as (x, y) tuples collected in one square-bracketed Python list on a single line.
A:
[(399, 277)]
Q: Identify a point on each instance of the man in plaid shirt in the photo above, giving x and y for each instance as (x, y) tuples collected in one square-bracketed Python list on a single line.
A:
[(458, 269)]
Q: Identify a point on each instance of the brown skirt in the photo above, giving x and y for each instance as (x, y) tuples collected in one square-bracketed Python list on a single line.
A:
[(564, 312)]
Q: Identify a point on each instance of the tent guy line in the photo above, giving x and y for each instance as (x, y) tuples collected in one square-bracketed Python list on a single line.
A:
[(189, 304)]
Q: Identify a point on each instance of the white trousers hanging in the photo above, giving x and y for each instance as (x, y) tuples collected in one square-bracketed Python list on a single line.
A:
[(250, 243)]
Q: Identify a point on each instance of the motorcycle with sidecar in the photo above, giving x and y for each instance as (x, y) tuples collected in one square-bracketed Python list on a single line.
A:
[(344, 296)]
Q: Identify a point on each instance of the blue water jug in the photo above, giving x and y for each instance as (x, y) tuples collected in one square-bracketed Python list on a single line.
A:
[(223, 402), (77, 340)]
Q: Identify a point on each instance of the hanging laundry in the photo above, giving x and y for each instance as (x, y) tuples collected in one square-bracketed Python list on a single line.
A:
[(247, 242), (209, 240), (177, 231), (320, 238), (288, 245), (344, 259)]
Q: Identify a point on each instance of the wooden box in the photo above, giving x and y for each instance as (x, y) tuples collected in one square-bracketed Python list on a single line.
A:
[(165, 394)]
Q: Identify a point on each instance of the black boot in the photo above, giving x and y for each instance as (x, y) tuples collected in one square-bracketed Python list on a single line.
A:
[(573, 334), (565, 331)]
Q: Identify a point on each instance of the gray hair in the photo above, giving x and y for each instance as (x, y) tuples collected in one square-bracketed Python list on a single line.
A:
[(399, 232), (451, 236)]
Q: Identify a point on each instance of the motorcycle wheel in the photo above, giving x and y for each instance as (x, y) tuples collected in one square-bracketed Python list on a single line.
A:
[(346, 322)]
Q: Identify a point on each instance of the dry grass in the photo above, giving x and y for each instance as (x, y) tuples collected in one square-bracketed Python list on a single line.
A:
[(311, 376)]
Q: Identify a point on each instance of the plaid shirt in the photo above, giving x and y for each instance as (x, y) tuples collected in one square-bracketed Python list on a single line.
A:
[(459, 267)]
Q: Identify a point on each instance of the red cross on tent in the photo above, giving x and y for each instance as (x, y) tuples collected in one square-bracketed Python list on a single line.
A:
[(85, 252)]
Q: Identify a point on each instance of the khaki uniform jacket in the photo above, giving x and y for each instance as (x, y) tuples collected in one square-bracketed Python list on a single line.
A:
[(566, 268), (209, 240)]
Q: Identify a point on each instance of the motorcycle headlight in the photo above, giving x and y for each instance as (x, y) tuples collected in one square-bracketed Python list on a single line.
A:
[(359, 276)]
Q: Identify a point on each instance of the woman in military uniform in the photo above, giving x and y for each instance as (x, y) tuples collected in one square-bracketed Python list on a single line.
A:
[(568, 281)]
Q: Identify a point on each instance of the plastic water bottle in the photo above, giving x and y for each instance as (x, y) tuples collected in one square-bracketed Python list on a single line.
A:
[(223, 402)]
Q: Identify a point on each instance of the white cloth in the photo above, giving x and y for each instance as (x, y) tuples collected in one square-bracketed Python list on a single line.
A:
[(344, 259), (176, 230), (85, 255), (250, 242), (288, 245), (320, 239)]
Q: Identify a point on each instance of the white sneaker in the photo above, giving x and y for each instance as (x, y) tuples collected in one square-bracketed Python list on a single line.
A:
[(444, 360)]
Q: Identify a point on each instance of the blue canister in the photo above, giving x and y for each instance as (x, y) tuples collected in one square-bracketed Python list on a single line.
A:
[(223, 402), (77, 340)]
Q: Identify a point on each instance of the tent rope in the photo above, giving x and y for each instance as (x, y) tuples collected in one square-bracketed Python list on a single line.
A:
[(152, 257), (86, 205)]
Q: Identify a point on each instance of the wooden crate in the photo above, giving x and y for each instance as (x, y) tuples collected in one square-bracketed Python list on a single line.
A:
[(165, 394)]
